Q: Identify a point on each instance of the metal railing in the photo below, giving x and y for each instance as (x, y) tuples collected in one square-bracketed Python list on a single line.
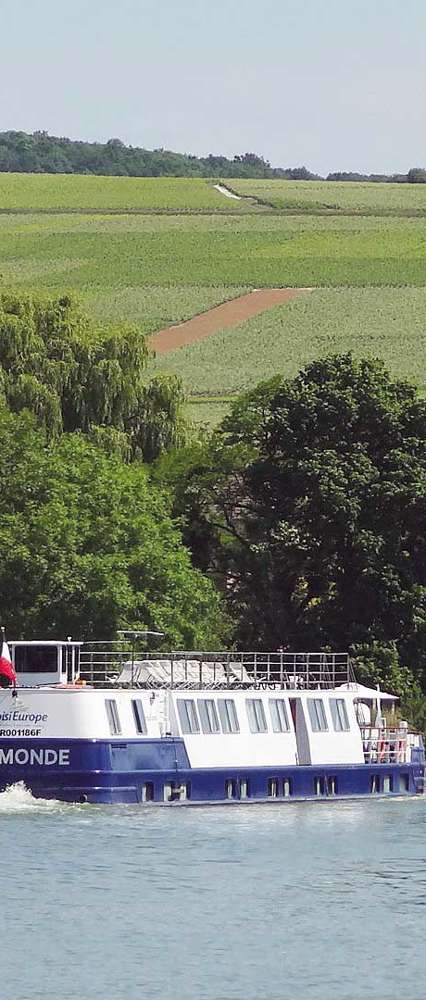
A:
[(113, 663), (385, 746)]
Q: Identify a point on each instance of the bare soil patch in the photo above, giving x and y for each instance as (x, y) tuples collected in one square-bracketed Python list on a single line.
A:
[(220, 317)]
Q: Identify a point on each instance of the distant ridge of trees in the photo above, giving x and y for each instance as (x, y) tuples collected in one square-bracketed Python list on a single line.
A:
[(21, 152)]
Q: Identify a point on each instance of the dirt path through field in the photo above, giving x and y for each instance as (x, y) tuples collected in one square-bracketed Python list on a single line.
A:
[(220, 317)]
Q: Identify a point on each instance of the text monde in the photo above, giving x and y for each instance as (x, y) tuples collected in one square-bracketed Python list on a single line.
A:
[(41, 756)]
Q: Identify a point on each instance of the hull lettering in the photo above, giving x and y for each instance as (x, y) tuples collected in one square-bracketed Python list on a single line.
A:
[(44, 757)]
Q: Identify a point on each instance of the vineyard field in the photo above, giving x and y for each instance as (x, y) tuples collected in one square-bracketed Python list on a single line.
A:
[(94, 255), (384, 323), (333, 197), (77, 193)]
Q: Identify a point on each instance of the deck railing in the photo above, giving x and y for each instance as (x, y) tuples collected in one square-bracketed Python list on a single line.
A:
[(386, 746), (112, 663)]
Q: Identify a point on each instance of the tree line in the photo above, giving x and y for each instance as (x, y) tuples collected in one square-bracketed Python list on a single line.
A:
[(21, 152), (300, 522)]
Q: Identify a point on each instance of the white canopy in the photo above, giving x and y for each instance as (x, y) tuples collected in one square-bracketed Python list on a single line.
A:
[(368, 694)]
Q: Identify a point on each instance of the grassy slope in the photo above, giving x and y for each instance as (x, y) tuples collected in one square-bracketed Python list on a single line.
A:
[(76, 193), (332, 196)]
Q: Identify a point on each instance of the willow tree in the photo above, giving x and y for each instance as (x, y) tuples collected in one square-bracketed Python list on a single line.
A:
[(75, 376)]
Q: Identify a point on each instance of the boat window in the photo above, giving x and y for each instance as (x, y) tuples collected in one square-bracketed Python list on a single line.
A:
[(319, 786), (36, 659), (228, 715), (113, 716), (244, 788), (286, 787), (404, 783), (272, 788), (188, 715), (208, 715), (139, 716), (339, 715), (148, 792), (256, 715), (279, 717), (317, 715), (230, 789)]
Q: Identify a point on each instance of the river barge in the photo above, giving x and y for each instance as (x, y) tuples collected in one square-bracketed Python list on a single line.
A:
[(103, 723)]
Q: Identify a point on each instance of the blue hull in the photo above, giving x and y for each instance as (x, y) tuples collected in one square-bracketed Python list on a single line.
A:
[(158, 771)]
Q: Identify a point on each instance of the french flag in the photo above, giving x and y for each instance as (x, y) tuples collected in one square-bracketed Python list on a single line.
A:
[(7, 673)]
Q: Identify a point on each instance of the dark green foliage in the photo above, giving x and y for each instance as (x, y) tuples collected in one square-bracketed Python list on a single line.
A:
[(77, 377), (312, 496), (88, 546), (49, 154), (417, 175), (43, 153)]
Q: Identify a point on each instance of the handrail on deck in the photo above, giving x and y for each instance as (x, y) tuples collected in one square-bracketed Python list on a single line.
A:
[(189, 668), (385, 745)]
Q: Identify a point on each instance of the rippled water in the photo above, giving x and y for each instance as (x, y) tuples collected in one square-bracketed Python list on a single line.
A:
[(312, 901)]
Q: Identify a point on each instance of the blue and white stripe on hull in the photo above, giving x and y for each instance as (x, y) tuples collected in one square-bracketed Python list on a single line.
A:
[(158, 771)]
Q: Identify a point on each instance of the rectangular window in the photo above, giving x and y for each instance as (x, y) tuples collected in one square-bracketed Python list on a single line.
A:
[(375, 783), (230, 789), (36, 659), (404, 783), (279, 717), (113, 716), (188, 715), (319, 786), (208, 715), (286, 787), (272, 788), (148, 792), (228, 715), (317, 715), (139, 716), (339, 715), (331, 785), (244, 788), (256, 715)]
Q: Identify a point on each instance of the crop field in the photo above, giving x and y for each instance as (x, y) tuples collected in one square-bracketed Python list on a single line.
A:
[(330, 197), (159, 251), (96, 256), (385, 323), (76, 193)]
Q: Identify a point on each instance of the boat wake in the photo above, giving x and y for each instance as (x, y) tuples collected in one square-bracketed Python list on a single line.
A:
[(18, 799)]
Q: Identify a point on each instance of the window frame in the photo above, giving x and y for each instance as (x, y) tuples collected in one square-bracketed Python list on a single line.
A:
[(139, 717), (188, 726), (335, 710), (208, 716), (229, 725), (281, 715), (314, 712), (256, 715), (113, 716)]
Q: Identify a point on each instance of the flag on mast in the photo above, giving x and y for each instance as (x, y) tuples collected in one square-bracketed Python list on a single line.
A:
[(7, 673)]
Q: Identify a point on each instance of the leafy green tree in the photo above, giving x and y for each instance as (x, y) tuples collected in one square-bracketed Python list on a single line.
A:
[(417, 175), (88, 546), (74, 375), (313, 497)]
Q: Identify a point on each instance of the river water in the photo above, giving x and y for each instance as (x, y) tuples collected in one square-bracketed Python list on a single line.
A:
[(314, 901)]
